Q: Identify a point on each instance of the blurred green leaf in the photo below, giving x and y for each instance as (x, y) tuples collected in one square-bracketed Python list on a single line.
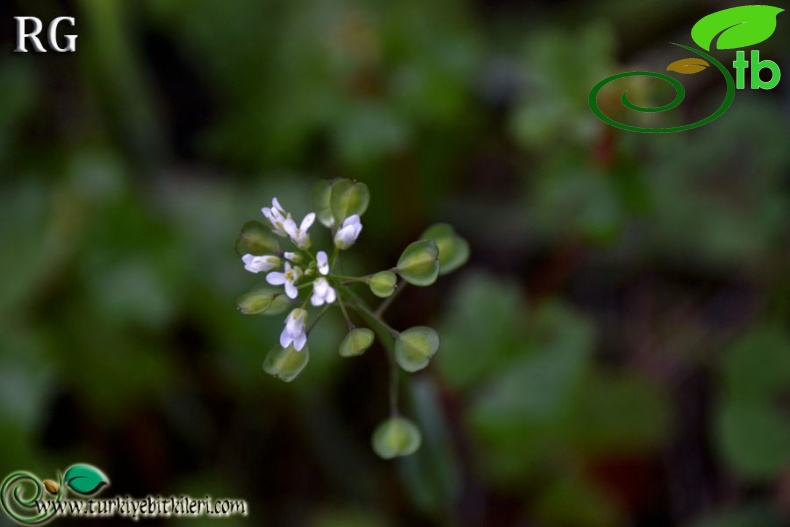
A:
[(620, 414), (757, 365), (754, 439), (480, 330), (575, 502)]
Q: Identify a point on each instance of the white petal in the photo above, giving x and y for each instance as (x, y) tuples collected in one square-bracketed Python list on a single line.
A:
[(323, 263), (285, 338), (291, 290), (300, 341), (331, 295), (307, 222), (290, 322), (276, 278), (289, 226)]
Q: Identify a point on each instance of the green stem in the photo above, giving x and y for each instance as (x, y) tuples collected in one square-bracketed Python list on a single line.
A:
[(387, 337), (351, 278), (317, 318), (345, 313), (388, 301)]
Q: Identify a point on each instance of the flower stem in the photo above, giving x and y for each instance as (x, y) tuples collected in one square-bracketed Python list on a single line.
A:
[(388, 301), (387, 337), (345, 313), (317, 318), (394, 385), (350, 278), (370, 316)]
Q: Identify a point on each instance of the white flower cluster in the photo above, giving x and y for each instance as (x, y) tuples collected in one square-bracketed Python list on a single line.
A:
[(294, 270)]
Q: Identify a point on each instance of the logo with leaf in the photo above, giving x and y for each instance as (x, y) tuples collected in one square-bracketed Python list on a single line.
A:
[(22, 490), (733, 28)]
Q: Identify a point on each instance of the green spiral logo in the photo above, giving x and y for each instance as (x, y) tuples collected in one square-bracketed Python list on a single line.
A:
[(732, 28), (680, 95), (18, 496)]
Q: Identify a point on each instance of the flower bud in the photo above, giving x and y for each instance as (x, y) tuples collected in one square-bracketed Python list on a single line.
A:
[(295, 257), (419, 263), (383, 284), (453, 250), (256, 302), (256, 239), (396, 437), (348, 198), (415, 347), (286, 363), (356, 342)]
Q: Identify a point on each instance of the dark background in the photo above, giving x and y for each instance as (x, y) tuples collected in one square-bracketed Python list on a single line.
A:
[(616, 352)]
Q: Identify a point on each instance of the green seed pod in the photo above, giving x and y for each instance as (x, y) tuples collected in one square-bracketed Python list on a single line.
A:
[(356, 342), (256, 239), (396, 437), (348, 198), (280, 304), (286, 363), (453, 250), (256, 302), (419, 263), (322, 195), (415, 347), (383, 284)]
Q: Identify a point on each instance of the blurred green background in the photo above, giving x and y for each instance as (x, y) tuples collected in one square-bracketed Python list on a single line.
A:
[(616, 353)]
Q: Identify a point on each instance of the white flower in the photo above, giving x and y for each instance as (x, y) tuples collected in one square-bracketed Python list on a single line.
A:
[(294, 332), (299, 234), (348, 232), (287, 278), (277, 217), (322, 293), (323, 263), (260, 264), (293, 257)]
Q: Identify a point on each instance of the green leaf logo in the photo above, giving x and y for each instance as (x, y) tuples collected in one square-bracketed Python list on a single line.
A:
[(739, 27), (85, 479)]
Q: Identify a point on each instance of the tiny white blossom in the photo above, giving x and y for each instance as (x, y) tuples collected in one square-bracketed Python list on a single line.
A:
[(277, 217), (323, 263), (294, 332), (293, 257), (288, 278), (299, 235), (260, 264), (322, 293), (348, 232)]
